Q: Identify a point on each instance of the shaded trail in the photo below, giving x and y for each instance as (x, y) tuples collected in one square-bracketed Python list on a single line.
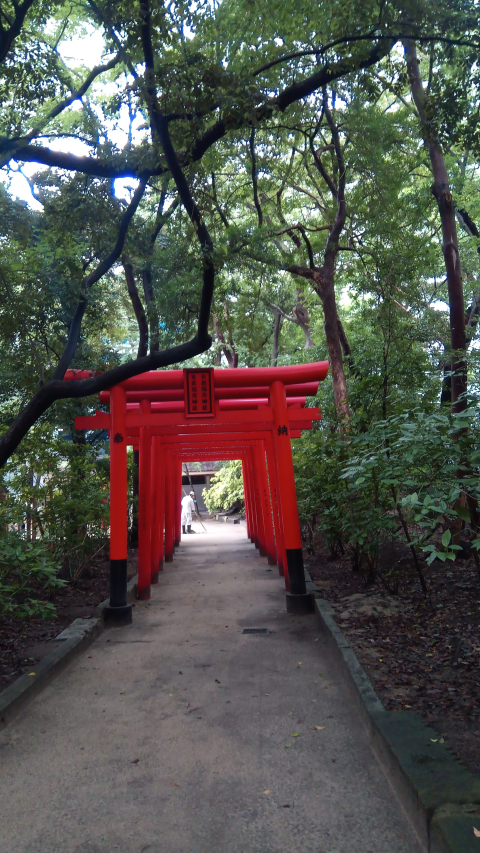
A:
[(166, 735)]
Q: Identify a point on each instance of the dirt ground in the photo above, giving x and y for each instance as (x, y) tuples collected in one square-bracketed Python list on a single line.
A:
[(25, 642), (419, 653)]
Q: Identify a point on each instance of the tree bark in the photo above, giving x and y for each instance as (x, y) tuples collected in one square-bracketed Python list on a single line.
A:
[(443, 196), (137, 307), (277, 328), (326, 290)]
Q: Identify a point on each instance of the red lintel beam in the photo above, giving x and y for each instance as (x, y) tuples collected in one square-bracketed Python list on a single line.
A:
[(224, 405), (239, 377), (307, 389)]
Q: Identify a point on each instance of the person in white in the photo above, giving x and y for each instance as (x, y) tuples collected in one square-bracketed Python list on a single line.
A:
[(188, 507)]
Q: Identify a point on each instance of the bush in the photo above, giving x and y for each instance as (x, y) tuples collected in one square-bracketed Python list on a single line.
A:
[(226, 488), (407, 478), (26, 569), (53, 515)]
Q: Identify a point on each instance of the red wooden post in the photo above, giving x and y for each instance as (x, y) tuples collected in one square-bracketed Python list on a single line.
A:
[(265, 503), (255, 506), (118, 611), (255, 502), (161, 505), (272, 477), (246, 497), (178, 501), (298, 601), (156, 490), (144, 509), (169, 507)]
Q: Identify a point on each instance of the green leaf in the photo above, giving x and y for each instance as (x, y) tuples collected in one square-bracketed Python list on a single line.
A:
[(446, 538)]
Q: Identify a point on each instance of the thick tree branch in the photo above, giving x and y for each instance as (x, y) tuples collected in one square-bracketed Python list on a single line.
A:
[(373, 35), (94, 166), (137, 307), (13, 146), (90, 280), (62, 390), (256, 202), (8, 36), (160, 130)]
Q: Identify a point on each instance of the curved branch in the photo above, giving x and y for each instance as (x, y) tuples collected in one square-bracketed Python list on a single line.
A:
[(7, 37), (373, 34), (14, 146), (59, 389), (93, 166), (256, 201), (90, 280), (160, 129), (137, 307)]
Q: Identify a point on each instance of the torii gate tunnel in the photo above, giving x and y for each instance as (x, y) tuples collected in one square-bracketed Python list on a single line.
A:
[(250, 414)]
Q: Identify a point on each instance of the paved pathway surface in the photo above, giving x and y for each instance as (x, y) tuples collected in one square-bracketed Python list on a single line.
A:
[(180, 734)]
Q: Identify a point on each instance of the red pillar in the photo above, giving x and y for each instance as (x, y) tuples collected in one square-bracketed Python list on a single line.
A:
[(273, 481), (249, 496), (298, 600), (178, 501), (118, 612), (265, 503), (157, 521), (144, 509), (161, 506), (254, 501), (169, 507), (246, 498)]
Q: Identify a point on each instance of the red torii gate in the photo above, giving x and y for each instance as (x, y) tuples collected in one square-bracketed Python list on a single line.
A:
[(169, 415)]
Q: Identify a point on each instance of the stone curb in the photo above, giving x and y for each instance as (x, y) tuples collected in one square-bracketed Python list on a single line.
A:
[(74, 640), (440, 796)]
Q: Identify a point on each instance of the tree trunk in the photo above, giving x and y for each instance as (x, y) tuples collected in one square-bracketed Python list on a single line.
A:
[(441, 191), (137, 307), (152, 313), (277, 328), (327, 296), (300, 311)]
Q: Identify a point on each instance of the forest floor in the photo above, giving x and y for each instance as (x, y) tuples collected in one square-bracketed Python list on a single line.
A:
[(25, 642), (420, 653)]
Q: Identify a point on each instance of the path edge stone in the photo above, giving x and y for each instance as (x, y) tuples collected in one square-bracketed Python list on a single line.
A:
[(439, 795), (22, 691)]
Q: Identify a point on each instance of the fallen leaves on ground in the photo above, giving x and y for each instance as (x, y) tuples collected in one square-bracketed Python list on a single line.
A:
[(419, 656)]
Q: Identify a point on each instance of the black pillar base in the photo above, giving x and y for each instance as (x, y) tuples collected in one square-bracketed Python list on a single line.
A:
[(272, 561), (169, 558), (118, 617), (296, 572), (154, 578), (299, 605)]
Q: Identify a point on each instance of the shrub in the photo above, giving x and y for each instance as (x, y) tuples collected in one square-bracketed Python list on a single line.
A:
[(226, 488)]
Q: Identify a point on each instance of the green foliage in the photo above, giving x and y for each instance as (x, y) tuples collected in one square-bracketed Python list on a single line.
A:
[(27, 569), (54, 512), (226, 488), (411, 471)]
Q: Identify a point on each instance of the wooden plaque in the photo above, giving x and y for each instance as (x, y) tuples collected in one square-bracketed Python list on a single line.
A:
[(199, 390)]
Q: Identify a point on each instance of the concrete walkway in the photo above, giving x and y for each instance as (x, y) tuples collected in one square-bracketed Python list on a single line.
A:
[(180, 734)]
